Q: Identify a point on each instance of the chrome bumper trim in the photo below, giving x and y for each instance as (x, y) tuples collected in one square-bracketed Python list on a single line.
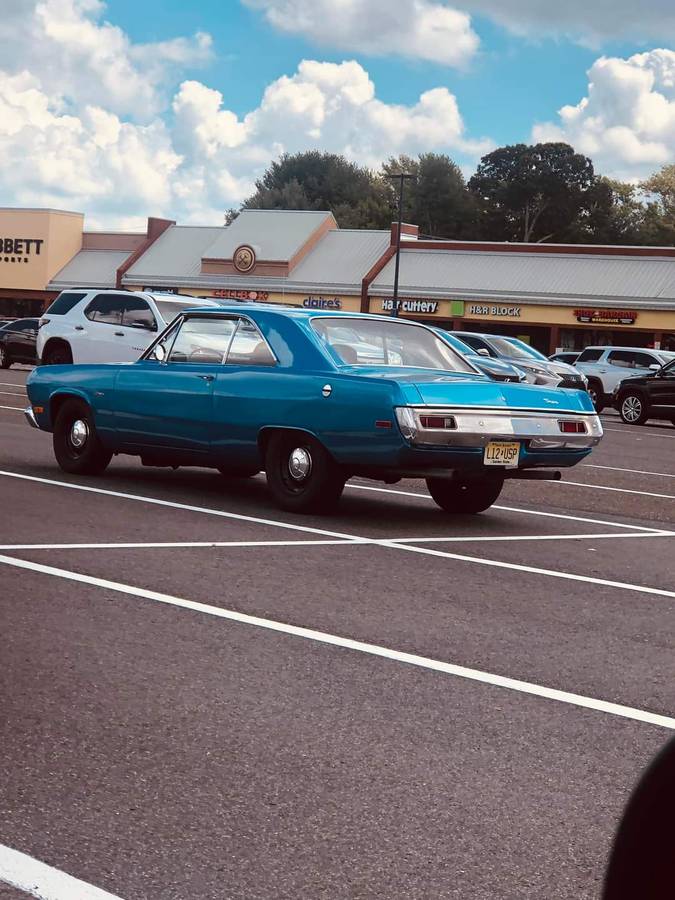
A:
[(476, 429), (30, 417)]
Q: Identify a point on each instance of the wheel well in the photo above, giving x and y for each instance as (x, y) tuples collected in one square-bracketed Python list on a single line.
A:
[(57, 402), (56, 342), (265, 435)]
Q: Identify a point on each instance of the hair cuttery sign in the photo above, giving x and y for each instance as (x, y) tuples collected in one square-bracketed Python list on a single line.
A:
[(425, 307)]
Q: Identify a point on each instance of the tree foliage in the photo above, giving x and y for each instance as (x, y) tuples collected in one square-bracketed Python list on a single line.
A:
[(541, 192)]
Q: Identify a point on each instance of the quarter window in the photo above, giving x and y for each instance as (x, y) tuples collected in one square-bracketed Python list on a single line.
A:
[(107, 309), (249, 348), (64, 303), (202, 341)]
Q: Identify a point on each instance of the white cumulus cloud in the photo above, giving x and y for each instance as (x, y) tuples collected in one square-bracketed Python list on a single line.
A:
[(423, 29), (626, 121)]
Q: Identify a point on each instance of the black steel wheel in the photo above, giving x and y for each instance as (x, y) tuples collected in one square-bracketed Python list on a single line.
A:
[(633, 408), (464, 495), (77, 446), (301, 474)]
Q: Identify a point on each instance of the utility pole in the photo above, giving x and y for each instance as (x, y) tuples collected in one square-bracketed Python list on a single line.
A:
[(401, 178)]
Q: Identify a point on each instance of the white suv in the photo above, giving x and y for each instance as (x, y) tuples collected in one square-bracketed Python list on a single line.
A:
[(89, 326), (605, 367)]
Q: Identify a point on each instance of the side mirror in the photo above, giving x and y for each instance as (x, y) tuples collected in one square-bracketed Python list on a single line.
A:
[(159, 353), (655, 367), (483, 352)]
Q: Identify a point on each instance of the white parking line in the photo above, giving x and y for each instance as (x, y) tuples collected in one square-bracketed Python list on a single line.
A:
[(631, 471), (159, 545), (604, 487), (12, 394), (11, 384), (18, 408), (412, 659), (519, 537), (639, 436), (358, 538), (514, 509), (36, 878)]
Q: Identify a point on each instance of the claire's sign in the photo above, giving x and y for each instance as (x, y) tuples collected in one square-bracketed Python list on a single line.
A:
[(606, 316), (322, 303)]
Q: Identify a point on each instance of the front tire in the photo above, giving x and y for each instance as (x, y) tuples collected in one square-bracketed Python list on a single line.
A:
[(77, 446), (5, 360), (596, 393), (462, 496), (633, 409), (301, 474)]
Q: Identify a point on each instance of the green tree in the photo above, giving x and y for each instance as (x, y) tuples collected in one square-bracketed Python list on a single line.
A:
[(659, 226), (438, 199), (531, 193), (315, 180), (613, 214)]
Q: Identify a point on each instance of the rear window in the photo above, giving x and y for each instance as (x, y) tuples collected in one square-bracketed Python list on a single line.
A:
[(64, 303), (590, 356)]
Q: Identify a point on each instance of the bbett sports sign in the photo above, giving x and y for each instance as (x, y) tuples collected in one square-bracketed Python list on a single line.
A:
[(19, 249)]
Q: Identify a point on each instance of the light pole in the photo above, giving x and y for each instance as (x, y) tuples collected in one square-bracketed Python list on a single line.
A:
[(401, 177)]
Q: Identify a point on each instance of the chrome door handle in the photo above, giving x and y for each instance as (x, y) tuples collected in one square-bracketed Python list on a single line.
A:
[(207, 377)]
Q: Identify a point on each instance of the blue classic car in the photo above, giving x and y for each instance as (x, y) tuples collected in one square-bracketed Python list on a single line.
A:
[(313, 398)]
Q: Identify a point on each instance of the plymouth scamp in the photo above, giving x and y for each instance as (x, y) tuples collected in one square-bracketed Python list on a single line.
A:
[(313, 398)]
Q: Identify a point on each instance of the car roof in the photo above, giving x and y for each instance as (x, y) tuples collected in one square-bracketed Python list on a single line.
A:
[(296, 312), (615, 347)]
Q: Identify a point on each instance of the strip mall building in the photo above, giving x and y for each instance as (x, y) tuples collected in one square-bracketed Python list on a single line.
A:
[(552, 296)]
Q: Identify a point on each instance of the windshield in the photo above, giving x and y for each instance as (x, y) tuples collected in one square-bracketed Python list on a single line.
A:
[(169, 309), (515, 348), (666, 356), (366, 342)]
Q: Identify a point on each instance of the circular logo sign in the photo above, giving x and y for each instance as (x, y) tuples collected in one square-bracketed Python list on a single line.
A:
[(244, 258)]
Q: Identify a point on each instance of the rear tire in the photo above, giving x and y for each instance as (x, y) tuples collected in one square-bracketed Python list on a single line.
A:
[(461, 496), (77, 447), (633, 408), (5, 360), (301, 474), (596, 393), (58, 355)]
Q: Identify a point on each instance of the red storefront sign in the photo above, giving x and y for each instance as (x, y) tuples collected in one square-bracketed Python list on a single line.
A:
[(606, 316), (229, 294)]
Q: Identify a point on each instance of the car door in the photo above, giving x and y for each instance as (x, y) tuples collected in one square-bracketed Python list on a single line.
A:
[(21, 335), (662, 391), (99, 337), (165, 405), (245, 388)]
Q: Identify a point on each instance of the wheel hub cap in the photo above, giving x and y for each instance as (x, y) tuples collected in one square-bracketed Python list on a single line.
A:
[(299, 464), (79, 433), (632, 408)]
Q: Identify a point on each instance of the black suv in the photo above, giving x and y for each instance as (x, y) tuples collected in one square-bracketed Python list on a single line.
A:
[(647, 396), (17, 342)]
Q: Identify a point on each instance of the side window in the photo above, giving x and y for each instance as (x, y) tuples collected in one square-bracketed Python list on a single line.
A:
[(106, 308), (202, 341), (589, 356), (137, 314), (644, 360), (64, 303), (476, 343), (631, 359), (249, 348), (22, 325)]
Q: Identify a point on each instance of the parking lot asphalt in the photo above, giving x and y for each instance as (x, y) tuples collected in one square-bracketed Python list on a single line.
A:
[(204, 697)]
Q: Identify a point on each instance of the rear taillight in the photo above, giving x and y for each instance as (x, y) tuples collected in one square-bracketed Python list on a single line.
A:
[(571, 427), (42, 322), (438, 422)]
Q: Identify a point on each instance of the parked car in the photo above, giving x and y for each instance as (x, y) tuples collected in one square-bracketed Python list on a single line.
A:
[(538, 368), (644, 397), (605, 367), (253, 387), (565, 356), (90, 326), (496, 369), (17, 342)]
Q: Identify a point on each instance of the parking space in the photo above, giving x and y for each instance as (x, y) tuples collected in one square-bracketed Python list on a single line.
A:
[(207, 697)]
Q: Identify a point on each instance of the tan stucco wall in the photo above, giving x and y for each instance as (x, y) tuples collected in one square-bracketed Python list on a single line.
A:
[(36, 244)]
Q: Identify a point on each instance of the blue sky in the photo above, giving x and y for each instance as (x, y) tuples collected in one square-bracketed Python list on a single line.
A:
[(123, 108)]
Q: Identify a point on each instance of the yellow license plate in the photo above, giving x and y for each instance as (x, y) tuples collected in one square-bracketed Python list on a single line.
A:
[(499, 453)]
